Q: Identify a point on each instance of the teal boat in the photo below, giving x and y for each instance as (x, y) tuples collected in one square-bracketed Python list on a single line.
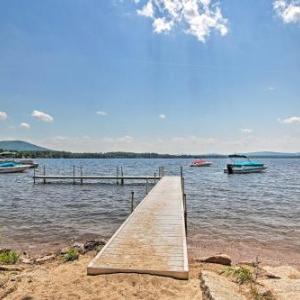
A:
[(12, 167), (241, 164)]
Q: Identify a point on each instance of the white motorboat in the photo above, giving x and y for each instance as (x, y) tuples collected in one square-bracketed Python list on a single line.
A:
[(201, 163), (12, 167)]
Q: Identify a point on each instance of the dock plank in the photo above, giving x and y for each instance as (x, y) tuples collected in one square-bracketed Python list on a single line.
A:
[(152, 240)]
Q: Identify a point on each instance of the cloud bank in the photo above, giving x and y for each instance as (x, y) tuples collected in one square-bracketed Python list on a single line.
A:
[(289, 120), (174, 145), (288, 10), (196, 17)]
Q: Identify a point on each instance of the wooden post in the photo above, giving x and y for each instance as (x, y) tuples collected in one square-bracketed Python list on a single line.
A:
[(81, 175), (146, 186), (117, 174), (44, 173), (73, 174), (122, 174), (33, 175), (182, 179), (132, 198), (185, 214)]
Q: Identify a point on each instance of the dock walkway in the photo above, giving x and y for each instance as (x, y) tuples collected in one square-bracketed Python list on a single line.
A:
[(152, 240)]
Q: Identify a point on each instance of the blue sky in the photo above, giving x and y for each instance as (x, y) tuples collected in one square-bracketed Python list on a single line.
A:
[(190, 76)]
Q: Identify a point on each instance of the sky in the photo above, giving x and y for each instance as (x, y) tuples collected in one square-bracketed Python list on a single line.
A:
[(167, 76)]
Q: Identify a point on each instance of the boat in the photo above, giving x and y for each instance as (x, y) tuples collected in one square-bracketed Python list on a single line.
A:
[(12, 167), (241, 164), (201, 163), (28, 162), (9, 157)]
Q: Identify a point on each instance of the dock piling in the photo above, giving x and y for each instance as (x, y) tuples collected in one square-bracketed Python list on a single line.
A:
[(73, 174), (185, 214), (117, 175), (132, 199), (44, 172), (81, 175), (122, 176)]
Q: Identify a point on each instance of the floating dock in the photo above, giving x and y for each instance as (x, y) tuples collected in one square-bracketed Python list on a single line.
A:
[(153, 238)]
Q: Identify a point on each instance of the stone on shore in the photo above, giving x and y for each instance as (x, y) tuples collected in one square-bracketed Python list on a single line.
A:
[(285, 284), (8, 268), (217, 287), (92, 245), (221, 259), (45, 259)]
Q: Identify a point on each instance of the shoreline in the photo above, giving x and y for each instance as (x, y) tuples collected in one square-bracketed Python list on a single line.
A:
[(198, 246), (51, 277)]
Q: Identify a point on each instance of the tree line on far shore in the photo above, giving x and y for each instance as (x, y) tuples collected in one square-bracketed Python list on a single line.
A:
[(119, 154), (65, 154)]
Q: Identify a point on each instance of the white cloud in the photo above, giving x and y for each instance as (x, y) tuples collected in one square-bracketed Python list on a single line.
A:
[(25, 125), (197, 17), (162, 25), (246, 130), (3, 116), (162, 116), (289, 120), (146, 10), (42, 116), (102, 113), (287, 10)]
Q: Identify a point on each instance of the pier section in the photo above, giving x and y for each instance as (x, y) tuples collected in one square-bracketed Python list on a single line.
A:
[(153, 238)]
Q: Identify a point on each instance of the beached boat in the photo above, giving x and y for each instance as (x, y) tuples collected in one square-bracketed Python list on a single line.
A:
[(241, 164), (12, 167), (201, 163)]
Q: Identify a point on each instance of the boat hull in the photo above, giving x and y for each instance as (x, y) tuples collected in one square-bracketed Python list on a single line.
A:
[(16, 169), (245, 170), (208, 164)]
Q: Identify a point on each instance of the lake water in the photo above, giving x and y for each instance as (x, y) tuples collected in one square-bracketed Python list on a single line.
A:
[(253, 210)]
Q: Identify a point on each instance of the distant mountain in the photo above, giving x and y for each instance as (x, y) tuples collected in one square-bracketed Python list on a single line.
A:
[(20, 146), (272, 154)]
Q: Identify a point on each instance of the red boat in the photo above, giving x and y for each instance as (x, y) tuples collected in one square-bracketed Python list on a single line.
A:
[(201, 163)]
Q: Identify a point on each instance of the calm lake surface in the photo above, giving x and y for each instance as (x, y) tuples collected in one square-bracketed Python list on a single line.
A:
[(259, 209)]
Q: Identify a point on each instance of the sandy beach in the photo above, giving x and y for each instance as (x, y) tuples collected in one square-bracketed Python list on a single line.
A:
[(56, 279)]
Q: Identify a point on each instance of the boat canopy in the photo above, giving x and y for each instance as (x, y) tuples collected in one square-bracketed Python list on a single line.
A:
[(7, 164), (237, 156), (248, 164)]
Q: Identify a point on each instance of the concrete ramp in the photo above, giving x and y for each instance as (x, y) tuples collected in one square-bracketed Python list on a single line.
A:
[(152, 240)]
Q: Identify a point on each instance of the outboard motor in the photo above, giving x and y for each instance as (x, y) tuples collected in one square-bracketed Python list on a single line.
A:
[(229, 169)]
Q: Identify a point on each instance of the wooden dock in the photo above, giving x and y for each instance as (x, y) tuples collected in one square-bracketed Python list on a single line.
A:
[(75, 178), (153, 238)]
